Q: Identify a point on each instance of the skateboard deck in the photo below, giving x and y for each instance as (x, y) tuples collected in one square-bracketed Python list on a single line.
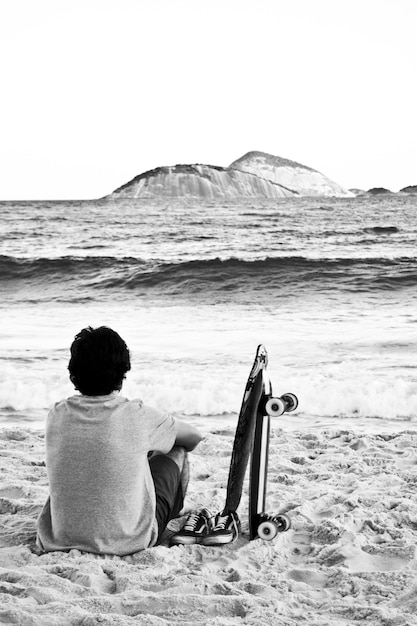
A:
[(243, 440)]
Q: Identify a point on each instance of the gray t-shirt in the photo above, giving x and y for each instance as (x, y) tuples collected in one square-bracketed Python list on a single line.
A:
[(102, 496)]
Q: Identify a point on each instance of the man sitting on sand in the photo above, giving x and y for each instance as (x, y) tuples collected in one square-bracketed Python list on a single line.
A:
[(117, 470)]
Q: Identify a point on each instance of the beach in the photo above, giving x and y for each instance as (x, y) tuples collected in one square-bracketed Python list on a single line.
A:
[(349, 557), (329, 287)]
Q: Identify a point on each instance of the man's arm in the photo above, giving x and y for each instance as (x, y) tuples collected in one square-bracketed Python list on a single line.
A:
[(187, 436)]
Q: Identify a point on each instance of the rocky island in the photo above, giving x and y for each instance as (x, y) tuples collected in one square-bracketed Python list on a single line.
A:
[(256, 174), (378, 191)]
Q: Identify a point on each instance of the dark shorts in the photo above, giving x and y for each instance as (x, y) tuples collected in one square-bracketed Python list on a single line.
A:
[(169, 498)]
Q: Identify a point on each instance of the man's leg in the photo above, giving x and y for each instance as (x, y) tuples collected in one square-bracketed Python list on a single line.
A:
[(180, 457), (170, 473)]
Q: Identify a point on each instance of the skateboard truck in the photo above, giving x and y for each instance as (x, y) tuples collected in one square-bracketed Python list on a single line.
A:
[(269, 526), (287, 403)]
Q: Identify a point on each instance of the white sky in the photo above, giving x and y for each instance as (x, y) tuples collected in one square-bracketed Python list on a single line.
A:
[(94, 92)]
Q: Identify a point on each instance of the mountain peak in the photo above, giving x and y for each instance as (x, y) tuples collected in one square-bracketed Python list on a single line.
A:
[(268, 159), (290, 174)]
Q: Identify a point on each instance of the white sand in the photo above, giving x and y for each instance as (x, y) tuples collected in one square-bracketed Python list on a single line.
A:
[(350, 557)]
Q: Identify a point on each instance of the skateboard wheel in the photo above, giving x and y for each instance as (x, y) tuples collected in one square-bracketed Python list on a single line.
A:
[(291, 401), (283, 522), (275, 407), (267, 530)]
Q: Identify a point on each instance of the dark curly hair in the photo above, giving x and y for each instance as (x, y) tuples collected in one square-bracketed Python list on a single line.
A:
[(99, 361)]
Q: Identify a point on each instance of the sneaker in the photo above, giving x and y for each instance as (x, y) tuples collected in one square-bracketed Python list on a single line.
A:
[(225, 530), (195, 528)]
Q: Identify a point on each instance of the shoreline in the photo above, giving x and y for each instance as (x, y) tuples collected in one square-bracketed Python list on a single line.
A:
[(288, 423), (349, 556)]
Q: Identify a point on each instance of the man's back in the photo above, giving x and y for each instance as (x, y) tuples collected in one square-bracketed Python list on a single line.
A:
[(102, 497)]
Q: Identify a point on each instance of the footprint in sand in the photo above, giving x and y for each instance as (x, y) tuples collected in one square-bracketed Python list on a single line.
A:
[(309, 577), (372, 559), (7, 506), (13, 492), (99, 580)]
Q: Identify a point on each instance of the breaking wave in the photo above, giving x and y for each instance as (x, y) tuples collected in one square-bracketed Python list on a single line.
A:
[(201, 394), (277, 275)]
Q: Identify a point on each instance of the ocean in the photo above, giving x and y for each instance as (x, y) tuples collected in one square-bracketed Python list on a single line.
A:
[(327, 285)]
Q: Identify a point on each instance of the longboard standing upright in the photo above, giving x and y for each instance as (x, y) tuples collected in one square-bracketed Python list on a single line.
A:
[(245, 428), (252, 438)]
